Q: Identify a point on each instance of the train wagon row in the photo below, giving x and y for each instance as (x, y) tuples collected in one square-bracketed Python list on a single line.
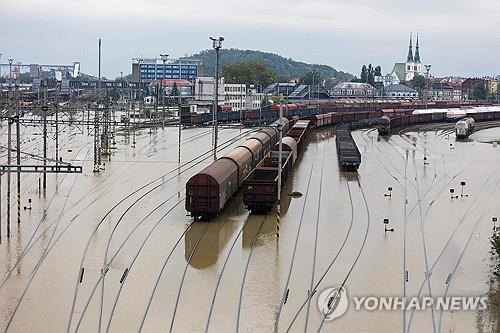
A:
[(445, 116), (347, 151), (310, 108), (260, 188), (208, 192)]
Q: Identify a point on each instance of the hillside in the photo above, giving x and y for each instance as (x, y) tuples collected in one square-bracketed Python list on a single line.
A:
[(283, 67)]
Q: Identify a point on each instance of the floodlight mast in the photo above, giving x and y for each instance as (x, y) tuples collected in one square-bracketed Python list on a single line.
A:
[(217, 45)]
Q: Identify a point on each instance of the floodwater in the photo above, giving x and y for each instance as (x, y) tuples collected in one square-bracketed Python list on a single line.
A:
[(115, 250)]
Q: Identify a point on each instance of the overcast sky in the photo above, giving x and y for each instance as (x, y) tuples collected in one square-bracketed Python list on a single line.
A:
[(458, 37)]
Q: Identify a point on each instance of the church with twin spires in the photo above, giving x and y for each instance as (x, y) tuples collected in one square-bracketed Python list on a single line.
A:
[(406, 71)]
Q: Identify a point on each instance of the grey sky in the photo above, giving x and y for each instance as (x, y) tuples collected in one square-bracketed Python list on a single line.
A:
[(457, 37)]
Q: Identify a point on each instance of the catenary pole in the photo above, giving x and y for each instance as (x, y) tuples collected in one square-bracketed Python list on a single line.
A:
[(280, 153)]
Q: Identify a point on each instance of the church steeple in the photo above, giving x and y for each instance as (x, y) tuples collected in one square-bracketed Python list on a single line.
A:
[(417, 52), (410, 51)]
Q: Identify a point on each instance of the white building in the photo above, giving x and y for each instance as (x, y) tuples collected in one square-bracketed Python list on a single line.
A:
[(240, 97), (406, 71), (235, 95), (399, 91), (353, 90), (204, 89)]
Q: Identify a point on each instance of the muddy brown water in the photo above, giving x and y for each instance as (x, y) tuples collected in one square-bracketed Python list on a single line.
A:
[(174, 268)]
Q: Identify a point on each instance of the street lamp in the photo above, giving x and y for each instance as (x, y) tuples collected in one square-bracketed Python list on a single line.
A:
[(10, 75), (164, 58), (139, 63), (427, 70), (217, 45)]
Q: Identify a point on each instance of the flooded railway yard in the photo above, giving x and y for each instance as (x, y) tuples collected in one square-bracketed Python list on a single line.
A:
[(116, 251)]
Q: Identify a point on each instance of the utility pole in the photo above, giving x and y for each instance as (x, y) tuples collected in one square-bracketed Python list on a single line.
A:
[(99, 80), (18, 148), (180, 128), (97, 151), (57, 121), (312, 93), (10, 80), (427, 70), (1, 204), (139, 63), (280, 155), (217, 45), (9, 162), (164, 58), (45, 108)]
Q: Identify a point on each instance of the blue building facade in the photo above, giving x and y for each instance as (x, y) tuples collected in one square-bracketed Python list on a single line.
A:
[(153, 70)]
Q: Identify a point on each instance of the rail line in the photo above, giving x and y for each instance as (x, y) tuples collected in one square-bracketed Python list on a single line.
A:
[(40, 261), (457, 227), (330, 265), (318, 214), (161, 273), (29, 246), (361, 248), (207, 326), (130, 266), (424, 243), (245, 273), (285, 290), (221, 147), (107, 264)]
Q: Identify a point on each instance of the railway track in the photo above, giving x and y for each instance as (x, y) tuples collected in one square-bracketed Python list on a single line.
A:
[(363, 243), (314, 289), (188, 165), (242, 287), (285, 290), (467, 212)]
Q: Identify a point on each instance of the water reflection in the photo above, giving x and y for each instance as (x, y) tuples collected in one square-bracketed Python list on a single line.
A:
[(219, 232)]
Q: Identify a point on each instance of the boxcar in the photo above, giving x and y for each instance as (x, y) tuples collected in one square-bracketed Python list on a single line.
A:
[(243, 159), (208, 191), (256, 148)]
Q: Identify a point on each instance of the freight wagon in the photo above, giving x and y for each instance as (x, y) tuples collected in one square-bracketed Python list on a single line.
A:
[(260, 188), (209, 191), (464, 128), (347, 151)]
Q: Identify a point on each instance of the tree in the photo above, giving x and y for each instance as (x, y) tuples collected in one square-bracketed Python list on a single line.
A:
[(175, 90), (284, 67), (248, 72), (370, 75), (311, 78), (364, 74), (479, 92), (265, 101), (378, 71), (418, 83), (127, 77)]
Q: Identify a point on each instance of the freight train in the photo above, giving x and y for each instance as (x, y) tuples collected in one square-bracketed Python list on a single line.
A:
[(260, 188), (208, 192), (311, 108)]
